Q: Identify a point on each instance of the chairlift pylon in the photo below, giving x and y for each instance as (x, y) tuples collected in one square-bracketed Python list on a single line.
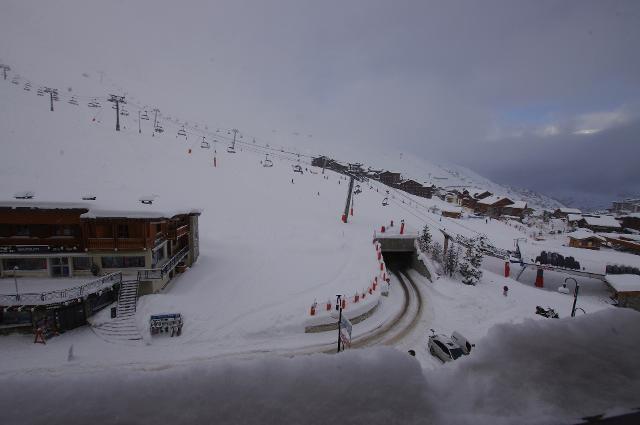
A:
[(267, 162)]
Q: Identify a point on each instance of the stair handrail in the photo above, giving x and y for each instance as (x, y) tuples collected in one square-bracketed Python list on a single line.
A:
[(56, 296)]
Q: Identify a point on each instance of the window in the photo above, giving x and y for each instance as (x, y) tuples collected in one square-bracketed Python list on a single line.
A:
[(5, 230), (25, 263), (122, 262), (81, 263), (62, 231), (123, 231), (22, 230), (158, 255)]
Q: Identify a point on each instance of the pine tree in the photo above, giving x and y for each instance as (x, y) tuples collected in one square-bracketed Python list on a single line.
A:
[(436, 251), (472, 261), (452, 260), (424, 241)]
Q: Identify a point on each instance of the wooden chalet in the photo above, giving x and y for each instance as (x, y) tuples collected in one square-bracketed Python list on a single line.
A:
[(516, 209), (564, 212), (630, 221), (415, 188), (583, 238), (389, 178), (493, 205), (599, 223), (49, 239)]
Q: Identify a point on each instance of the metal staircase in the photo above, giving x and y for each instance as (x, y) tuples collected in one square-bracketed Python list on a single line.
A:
[(123, 327)]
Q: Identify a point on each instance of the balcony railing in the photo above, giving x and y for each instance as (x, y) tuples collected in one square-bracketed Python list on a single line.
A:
[(182, 230), (59, 296), (111, 243), (159, 273)]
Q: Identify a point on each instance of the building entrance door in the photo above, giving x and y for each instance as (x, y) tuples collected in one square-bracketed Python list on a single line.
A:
[(60, 267)]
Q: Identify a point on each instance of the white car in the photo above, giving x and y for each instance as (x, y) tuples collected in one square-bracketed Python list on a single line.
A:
[(448, 348)]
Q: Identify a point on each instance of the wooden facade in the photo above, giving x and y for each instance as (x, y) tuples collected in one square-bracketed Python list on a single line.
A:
[(53, 241), (589, 243)]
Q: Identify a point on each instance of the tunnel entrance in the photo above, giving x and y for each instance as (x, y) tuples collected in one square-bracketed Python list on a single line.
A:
[(397, 261)]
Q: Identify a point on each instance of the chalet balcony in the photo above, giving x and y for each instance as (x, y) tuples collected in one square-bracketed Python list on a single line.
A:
[(179, 231), (53, 241), (122, 244)]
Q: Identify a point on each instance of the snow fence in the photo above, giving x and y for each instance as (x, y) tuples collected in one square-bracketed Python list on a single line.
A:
[(357, 307)]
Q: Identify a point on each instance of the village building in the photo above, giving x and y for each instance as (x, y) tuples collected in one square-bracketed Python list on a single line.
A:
[(564, 212), (415, 188), (67, 239), (599, 223), (626, 206), (516, 209), (626, 289), (623, 241), (630, 221), (389, 178), (573, 219), (470, 199), (493, 205), (452, 212), (585, 238)]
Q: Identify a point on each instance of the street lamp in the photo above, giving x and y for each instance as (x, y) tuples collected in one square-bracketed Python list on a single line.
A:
[(15, 282), (575, 295)]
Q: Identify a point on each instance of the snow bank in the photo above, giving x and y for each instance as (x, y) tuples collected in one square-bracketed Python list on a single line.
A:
[(353, 387), (548, 371), (551, 371)]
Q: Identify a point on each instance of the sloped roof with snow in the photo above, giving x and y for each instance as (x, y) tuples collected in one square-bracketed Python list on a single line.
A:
[(624, 282), (570, 210), (582, 234), (602, 221), (490, 200), (518, 205), (574, 217), (108, 207)]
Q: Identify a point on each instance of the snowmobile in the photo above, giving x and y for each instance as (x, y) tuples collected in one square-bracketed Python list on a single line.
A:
[(548, 312)]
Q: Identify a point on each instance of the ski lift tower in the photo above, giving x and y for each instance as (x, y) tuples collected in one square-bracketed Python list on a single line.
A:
[(117, 100), (235, 133), (345, 216), (53, 95), (5, 68)]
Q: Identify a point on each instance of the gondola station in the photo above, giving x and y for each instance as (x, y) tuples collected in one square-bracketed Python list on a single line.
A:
[(60, 262)]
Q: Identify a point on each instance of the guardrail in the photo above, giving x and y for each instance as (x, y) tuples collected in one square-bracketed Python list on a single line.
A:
[(159, 273), (55, 297)]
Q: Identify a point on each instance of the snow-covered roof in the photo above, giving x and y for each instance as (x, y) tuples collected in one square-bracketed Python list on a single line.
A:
[(518, 205), (631, 215), (570, 210), (602, 221), (574, 217), (130, 208), (452, 209), (490, 200), (624, 282), (623, 236), (581, 234)]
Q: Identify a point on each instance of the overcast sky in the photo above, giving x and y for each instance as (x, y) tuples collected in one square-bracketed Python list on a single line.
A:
[(537, 94)]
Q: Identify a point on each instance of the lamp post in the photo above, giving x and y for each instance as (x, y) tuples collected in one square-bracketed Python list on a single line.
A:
[(339, 308), (575, 295), (15, 282)]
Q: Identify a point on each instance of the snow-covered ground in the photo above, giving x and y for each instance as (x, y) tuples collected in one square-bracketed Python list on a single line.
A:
[(271, 244)]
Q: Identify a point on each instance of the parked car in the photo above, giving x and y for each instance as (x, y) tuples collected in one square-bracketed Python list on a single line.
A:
[(444, 348)]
